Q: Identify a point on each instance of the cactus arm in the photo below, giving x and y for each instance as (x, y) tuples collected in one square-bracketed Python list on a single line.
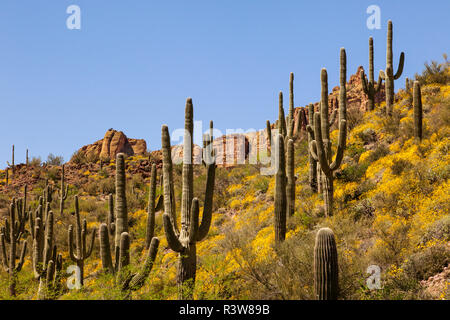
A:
[(4, 255), (193, 226), (269, 133), (172, 240), (138, 280), (105, 251), (400, 66), (382, 75), (70, 244), (207, 209), (151, 208), (321, 157), (364, 82), (22, 256), (341, 146), (281, 118), (333, 117), (91, 245), (110, 220), (378, 84), (169, 196), (313, 149), (124, 254)]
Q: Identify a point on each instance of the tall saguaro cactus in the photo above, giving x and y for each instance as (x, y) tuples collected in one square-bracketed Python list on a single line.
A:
[(290, 186), (282, 129), (370, 87), (9, 263), (280, 192), (326, 283), (62, 192), (184, 240), (388, 74), (82, 252), (290, 124), (126, 280), (418, 113), (320, 148), (152, 208)]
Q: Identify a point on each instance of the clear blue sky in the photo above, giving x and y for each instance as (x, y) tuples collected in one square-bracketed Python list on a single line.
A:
[(133, 63)]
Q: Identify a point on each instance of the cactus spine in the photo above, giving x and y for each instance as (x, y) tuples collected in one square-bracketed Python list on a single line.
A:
[(184, 241), (320, 148), (280, 192), (388, 75), (418, 113), (15, 233), (126, 280), (370, 87), (326, 286), (62, 192), (82, 251)]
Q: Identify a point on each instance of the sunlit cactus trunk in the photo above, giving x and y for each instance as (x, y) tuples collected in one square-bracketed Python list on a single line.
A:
[(326, 273)]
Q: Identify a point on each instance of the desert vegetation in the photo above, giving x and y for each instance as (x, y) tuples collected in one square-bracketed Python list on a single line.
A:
[(353, 188)]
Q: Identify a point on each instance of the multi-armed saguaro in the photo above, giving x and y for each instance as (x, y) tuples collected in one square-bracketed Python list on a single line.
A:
[(326, 285), (370, 87), (320, 148), (82, 252), (126, 280), (388, 75), (14, 235), (184, 241)]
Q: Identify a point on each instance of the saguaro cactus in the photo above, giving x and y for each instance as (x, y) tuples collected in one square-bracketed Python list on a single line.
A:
[(82, 252), (184, 241), (9, 263), (12, 163), (290, 187), (280, 192), (370, 87), (152, 208), (126, 280), (388, 75), (269, 134), (111, 220), (418, 113), (62, 192), (326, 285), (320, 148), (281, 118), (290, 124)]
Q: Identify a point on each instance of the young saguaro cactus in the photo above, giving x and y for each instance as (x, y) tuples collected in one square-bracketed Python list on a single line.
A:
[(184, 241), (326, 283), (126, 280), (320, 147), (418, 112), (9, 263), (370, 87), (280, 192), (388, 74), (82, 252), (62, 192)]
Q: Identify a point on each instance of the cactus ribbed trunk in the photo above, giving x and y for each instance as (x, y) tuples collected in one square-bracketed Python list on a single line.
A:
[(326, 285), (280, 192), (290, 187), (121, 213), (418, 112), (312, 162), (151, 208), (370, 87)]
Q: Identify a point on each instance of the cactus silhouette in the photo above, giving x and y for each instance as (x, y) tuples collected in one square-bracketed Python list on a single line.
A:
[(184, 240), (326, 286), (81, 252), (388, 74), (320, 147), (370, 87), (15, 233), (418, 113)]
